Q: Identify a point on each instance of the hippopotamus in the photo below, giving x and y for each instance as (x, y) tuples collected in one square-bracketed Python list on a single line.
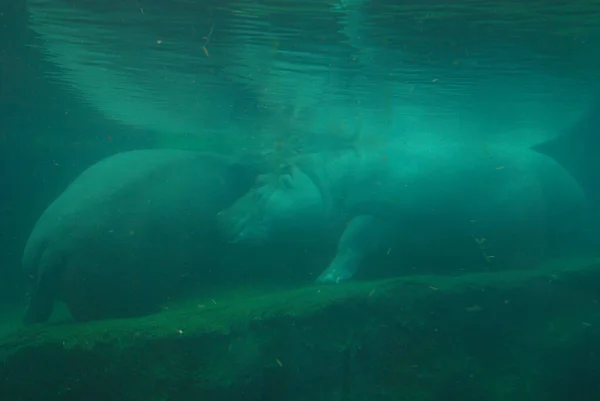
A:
[(120, 238), (417, 203)]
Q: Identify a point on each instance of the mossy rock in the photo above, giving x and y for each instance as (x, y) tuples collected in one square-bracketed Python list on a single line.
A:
[(495, 336)]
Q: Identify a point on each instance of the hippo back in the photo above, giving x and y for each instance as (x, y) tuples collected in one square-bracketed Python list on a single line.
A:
[(129, 226)]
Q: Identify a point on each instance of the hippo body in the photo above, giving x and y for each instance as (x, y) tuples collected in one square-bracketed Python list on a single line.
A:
[(119, 238), (417, 204)]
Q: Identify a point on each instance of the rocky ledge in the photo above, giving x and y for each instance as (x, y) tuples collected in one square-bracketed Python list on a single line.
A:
[(519, 335)]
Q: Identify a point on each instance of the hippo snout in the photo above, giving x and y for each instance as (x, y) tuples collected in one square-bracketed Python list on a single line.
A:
[(237, 229)]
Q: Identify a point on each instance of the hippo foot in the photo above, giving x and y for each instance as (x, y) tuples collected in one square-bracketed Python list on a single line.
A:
[(333, 276)]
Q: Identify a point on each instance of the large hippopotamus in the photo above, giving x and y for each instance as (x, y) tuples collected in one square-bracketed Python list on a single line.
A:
[(119, 238), (420, 203)]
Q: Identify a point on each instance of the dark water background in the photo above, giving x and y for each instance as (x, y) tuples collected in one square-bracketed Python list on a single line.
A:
[(232, 76)]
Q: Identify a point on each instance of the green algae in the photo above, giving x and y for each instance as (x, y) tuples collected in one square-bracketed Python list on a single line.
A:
[(479, 336)]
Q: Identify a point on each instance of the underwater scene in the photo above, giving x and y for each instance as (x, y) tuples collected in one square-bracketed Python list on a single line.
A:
[(276, 200)]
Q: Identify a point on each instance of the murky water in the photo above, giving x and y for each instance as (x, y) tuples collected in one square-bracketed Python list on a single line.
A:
[(442, 311), (256, 75)]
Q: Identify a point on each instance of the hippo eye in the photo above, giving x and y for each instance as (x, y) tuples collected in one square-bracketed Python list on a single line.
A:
[(261, 179)]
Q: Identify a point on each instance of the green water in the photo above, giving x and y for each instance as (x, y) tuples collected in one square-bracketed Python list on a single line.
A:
[(268, 80)]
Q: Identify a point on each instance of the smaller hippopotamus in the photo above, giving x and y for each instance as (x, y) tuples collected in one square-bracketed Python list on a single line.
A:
[(431, 201), (118, 240)]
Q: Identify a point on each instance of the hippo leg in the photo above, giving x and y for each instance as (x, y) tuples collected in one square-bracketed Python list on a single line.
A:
[(43, 295), (39, 307), (360, 238)]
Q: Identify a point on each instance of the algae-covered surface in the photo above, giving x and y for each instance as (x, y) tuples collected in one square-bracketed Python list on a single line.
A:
[(517, 335)]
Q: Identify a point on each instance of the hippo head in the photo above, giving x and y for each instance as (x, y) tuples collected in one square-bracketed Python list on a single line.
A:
[(286, 206)]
